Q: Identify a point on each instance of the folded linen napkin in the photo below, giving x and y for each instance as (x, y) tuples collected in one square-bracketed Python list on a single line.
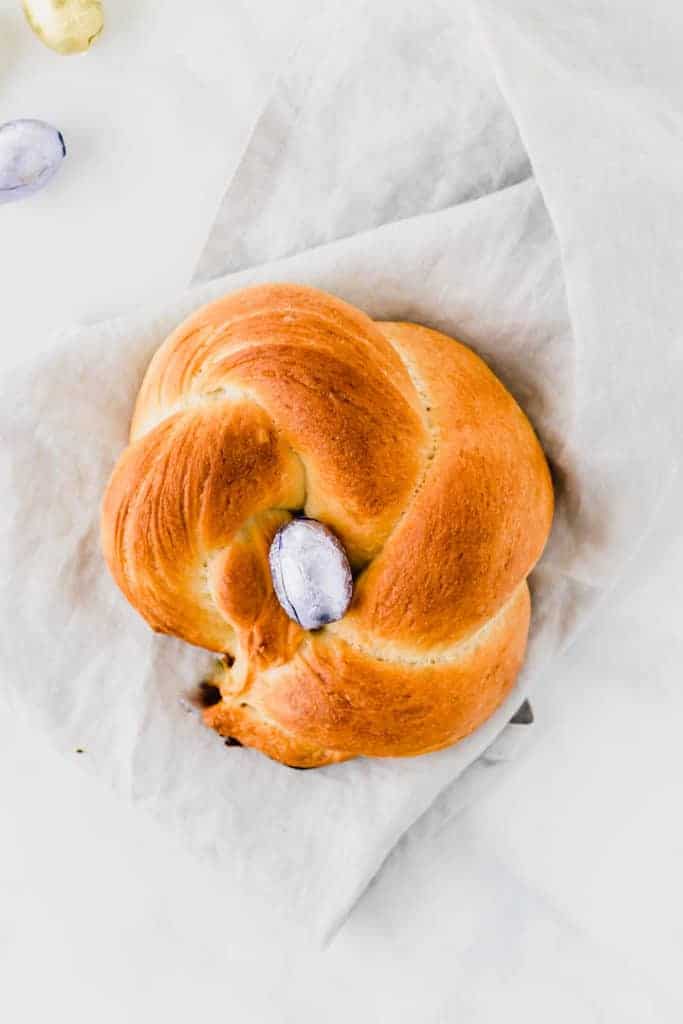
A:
[(388, 168)]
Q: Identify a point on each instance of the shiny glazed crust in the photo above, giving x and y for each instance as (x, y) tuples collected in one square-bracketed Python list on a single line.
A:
[(280, 399)]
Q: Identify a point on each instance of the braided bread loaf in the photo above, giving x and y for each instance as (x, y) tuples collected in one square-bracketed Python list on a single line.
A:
[(279, 399)]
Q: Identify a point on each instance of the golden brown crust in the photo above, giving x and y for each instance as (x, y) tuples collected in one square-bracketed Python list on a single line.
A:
[(481, 517), (335, 389), (340, 697), (280, 399)]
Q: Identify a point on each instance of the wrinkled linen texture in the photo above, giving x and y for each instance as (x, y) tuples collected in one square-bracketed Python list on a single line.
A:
[(501, 174)]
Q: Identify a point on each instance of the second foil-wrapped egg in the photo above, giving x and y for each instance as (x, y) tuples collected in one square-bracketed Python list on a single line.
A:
[(31, 152)]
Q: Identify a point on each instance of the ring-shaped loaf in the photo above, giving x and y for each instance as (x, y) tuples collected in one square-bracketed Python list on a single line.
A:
[(280, 400)]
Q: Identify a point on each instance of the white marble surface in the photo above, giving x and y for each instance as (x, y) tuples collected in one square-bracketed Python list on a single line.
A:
[(557, 897)]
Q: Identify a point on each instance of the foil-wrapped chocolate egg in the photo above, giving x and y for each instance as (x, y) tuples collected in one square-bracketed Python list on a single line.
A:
[(311, 573), (31, 152), (66, 26)]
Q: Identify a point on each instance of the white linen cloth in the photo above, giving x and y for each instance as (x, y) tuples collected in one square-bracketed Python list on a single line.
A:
[(389, 168)]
